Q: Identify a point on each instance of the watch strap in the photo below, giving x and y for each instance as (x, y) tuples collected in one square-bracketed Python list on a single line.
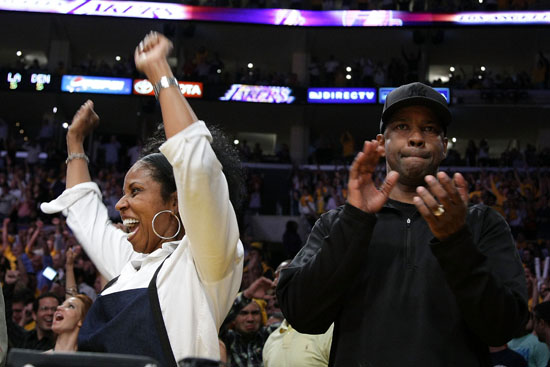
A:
[(164, 82)]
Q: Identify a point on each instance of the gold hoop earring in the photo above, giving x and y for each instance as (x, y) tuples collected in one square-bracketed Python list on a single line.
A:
[(175, 216)]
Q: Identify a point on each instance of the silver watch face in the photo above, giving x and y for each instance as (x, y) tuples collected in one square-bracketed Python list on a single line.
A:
[(164, 83)]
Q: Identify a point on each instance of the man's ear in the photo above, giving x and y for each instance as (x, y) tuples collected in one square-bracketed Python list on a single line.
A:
[(445, 142)]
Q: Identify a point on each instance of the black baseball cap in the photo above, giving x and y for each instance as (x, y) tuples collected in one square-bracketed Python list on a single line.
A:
[(415, 94)]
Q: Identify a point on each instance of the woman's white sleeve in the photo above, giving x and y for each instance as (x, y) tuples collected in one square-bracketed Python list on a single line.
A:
[(106, 245), (203, 199)]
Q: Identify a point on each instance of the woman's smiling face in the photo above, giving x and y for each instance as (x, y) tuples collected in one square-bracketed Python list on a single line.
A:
[(142, 199), (68, 315)]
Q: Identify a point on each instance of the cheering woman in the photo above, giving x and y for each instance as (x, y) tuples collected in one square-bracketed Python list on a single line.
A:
[(176, 270)]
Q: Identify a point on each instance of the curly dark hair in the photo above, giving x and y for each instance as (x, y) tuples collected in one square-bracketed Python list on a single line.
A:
[(227, 154)]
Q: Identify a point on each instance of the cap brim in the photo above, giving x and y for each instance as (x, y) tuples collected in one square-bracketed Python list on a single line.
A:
[(440, 110)]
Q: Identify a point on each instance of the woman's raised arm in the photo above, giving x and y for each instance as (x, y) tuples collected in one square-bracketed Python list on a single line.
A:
[(84, 122), (150, 57)]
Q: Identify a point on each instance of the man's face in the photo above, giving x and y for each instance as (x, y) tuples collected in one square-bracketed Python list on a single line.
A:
[(17, 309), (414, 144), (44, 315), (541, 329), (248, 321)]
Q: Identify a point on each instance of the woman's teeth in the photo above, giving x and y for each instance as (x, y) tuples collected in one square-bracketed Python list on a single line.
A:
[(130, 223)]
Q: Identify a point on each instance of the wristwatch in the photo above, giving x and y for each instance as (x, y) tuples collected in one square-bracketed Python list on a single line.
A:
[(164, 82)]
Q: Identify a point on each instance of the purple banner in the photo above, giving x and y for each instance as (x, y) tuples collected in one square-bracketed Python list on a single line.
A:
[(258, 93), (288, 17)]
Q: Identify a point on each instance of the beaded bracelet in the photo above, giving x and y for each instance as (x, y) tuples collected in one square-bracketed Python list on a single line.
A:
[(77, 156)]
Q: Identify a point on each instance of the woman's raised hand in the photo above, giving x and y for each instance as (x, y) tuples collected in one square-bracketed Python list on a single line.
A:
[(84, 121), (69, 260), (150, 56)]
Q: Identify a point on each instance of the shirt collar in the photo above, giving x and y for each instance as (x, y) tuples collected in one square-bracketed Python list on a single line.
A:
[(166, 249)]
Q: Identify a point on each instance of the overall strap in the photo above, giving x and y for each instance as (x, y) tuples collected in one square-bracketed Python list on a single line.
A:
[(109, 283), (158, 319)]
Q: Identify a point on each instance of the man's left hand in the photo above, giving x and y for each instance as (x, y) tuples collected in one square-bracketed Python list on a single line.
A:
[(443, 203)]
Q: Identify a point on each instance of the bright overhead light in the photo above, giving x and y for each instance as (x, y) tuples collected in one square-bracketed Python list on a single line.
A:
[(348, 69), (117, 58), (236, 141), (452, 69), (65, 125), (348, 77), (19, 53), (250, 65), (219, 71), (482, 68), (54, 110), (453, 140)]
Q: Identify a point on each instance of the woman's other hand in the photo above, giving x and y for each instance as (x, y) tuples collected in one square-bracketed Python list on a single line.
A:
[(84, 122), (69, 261)]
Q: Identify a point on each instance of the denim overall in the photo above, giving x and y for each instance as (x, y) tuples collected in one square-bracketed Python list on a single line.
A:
[(128, 322)]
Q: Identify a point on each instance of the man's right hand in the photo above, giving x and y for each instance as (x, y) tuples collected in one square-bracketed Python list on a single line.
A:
[(362, 192)]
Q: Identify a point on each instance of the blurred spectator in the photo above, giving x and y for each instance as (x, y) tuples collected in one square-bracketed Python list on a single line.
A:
[(471, 153), (535, 353), (244, 331), (348, 146), (505, 357), (483, 153), (112, 148), (542, 322), (288, 347), (134, 152), (292, 243), (331, 67), (412, 60), (255, 265), (314, 72), (307, 206)]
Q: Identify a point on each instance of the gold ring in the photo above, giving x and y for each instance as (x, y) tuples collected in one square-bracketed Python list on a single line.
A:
[(439, 211)]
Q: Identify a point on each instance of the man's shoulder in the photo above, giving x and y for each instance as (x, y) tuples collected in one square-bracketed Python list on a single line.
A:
[(479, 214)]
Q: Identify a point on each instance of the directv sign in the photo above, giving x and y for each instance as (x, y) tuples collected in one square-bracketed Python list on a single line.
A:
[(95, 84), (383, 92), (258, 93), (341, 95)]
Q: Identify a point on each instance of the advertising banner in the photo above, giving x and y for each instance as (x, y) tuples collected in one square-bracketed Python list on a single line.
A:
[(96, 84), (341, 95)]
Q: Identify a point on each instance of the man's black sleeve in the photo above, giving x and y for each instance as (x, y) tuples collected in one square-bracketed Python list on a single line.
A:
[(310, 291), (483, 269)]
